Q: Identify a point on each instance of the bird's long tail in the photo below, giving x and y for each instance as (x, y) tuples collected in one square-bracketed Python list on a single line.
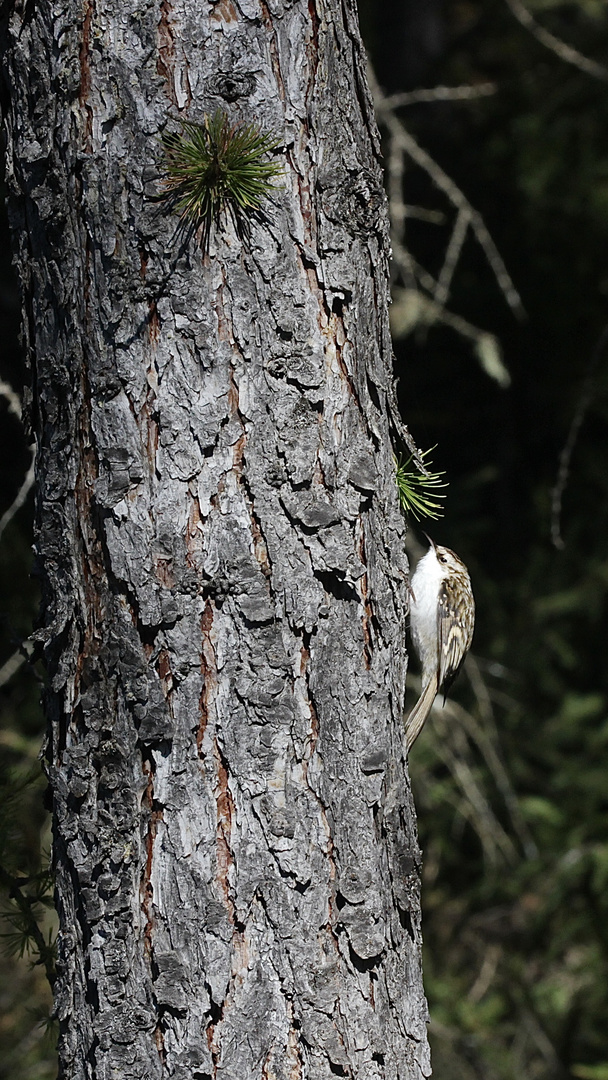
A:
[(422, 708)]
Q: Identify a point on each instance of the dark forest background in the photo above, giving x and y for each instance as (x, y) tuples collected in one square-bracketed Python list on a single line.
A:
[(511, 778)]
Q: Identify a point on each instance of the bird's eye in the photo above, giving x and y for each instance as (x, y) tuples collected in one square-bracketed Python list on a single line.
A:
[(442, 558)]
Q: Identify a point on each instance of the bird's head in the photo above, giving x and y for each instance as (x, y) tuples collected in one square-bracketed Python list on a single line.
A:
[(448, 560)]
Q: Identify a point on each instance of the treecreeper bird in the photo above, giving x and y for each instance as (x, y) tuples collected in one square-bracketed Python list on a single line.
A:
[(442, 619)]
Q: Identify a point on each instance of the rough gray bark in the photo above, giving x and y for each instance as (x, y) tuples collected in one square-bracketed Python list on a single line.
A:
[(221, 552)]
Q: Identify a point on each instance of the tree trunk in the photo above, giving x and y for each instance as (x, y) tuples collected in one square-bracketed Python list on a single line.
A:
[(221, 551)]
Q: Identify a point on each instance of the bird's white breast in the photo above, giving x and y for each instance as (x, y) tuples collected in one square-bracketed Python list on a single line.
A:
[(423, 609)]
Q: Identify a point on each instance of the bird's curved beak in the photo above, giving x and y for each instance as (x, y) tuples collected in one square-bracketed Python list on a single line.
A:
[(431, 542)]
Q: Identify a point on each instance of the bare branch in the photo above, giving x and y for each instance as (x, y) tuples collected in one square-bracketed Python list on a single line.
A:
[(452, 255), (427, 280), (402, 140), (449, 739), (451, 746), (486, 975), (21, 496), (420, 213), (530, 1021), (565, 52), (485, 735), (412, 308), (21, 656), (11, 398), (426, 304), (11, 666), (440, 93), (14, 406)]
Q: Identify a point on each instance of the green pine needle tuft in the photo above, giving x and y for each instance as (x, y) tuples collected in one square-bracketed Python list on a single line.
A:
[(417, 492), (216, 167)]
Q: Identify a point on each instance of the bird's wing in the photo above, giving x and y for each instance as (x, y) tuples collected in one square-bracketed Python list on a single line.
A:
[(455, 620)]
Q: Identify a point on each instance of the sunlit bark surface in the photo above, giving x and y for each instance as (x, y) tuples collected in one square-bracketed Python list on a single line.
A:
[(221, 551)]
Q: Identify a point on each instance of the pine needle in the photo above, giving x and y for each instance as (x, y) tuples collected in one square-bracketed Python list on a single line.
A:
[(418, 493), (216, 167)]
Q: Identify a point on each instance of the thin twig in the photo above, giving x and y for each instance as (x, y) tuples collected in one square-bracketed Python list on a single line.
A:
[(440, 93), (452, 748), (420, 213), (22, 655), (481, 734), (431, 312), (565, 458), (406, 142), (402, 144), (13, 402), (401, 428), (413, 308), (452, 718), (556, 45), (448, 732), (11, 398), (452, 255), (530, 1021), (11, 666), (21, 495), (27, 748), (488, 970), (410, 268)]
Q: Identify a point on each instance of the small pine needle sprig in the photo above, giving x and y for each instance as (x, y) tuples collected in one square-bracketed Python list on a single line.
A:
[(417, 492), (216, 167)]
